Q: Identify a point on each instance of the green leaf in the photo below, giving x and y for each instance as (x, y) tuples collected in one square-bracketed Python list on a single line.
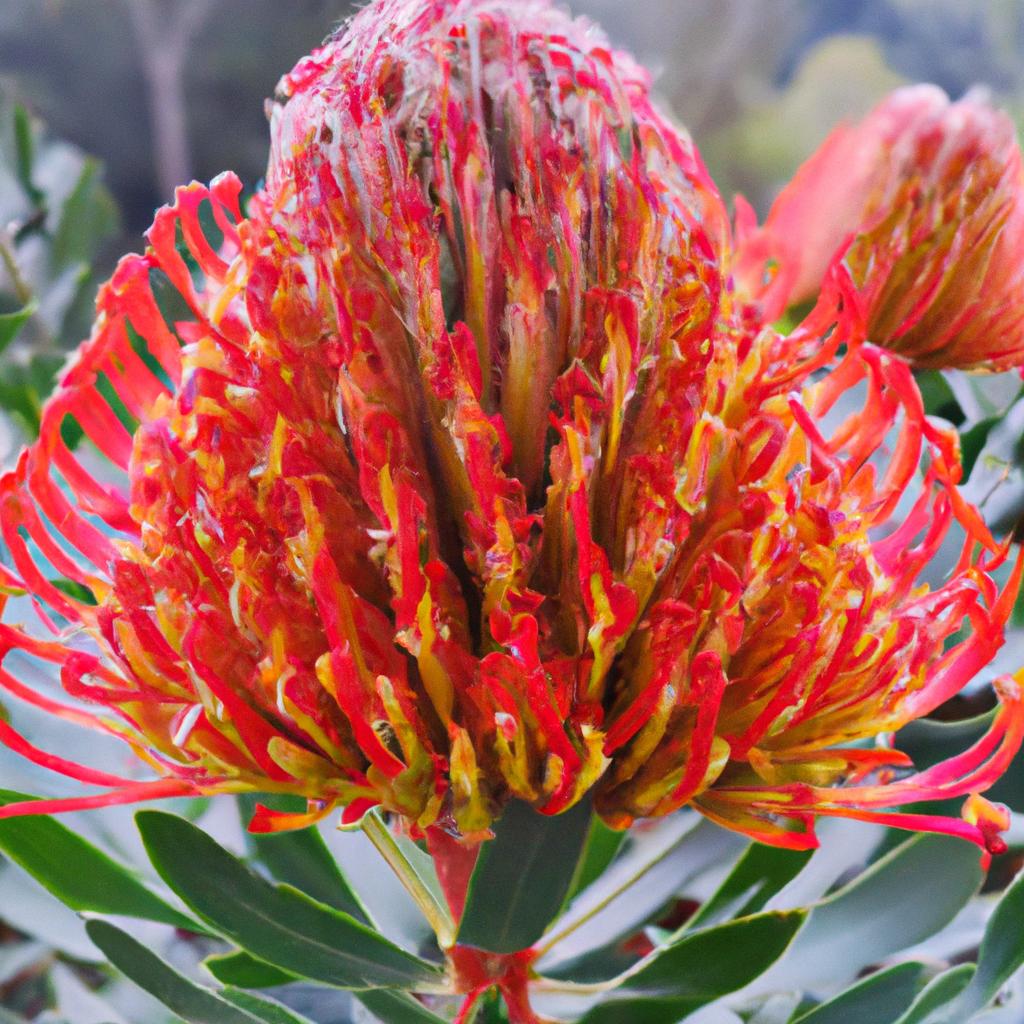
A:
[(79, 874), (939, 992), (11, 323), (267, 1010), (301, 859), (756, 877), (397, 1008), (657, 864), (903, 898), (972, 442), (1001, 954), (88, 216), (696, 969), (279, 924), (24, 154), (523, 876), (191, 1002), (245, 971), (880, 998), (602, 844), (938, 396)]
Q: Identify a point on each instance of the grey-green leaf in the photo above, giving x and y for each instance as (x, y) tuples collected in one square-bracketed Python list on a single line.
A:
[(523, 876), (756, 877), (11, 323), (880, 998), (244, 971), (301, 859), (191, 1002), (45, 849), (279, 924), (697, 968), (397, 1008), (937, 994), (902, 899), (1000, 956), (267, 1010), (602, 844)]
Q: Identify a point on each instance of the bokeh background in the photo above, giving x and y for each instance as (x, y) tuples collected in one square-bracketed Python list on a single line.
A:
[(165, 90)]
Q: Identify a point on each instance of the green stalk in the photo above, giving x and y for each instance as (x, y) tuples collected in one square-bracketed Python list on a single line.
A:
[(432, 908)]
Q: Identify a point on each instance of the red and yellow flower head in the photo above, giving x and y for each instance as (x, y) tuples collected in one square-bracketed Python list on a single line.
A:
[(914, 220), (455, 470)]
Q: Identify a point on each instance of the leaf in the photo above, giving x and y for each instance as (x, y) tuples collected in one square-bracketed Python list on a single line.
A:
[(696, 969), (902, 899), (279, 924), (939, 992), (879, 998), (397, 1008), (24, 155), (245, 971), (88, 216), (267, 1010), (301, 859), (523, 876), (242, 970), (972, 442), (11, 323), (757, 876), (1001, 954), (602, 844), (79, 874), (644, 878), (191, 1002), (938, 396)]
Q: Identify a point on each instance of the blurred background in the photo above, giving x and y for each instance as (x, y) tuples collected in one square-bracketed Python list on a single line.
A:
[(165, 90)]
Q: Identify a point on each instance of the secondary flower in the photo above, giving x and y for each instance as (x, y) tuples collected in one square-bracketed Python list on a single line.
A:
[(454, 472), (914, 218)]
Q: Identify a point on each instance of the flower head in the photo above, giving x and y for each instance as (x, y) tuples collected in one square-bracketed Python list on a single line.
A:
[(914, 218), (458, 474)]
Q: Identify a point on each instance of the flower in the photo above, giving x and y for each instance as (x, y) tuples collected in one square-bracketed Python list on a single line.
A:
[(456, 471), (914, 219)]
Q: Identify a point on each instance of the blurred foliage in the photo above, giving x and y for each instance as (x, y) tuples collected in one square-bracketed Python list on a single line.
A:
[(56, 217)]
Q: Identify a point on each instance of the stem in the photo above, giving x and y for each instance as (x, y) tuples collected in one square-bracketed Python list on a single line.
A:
[(22, 289), (433, 910)]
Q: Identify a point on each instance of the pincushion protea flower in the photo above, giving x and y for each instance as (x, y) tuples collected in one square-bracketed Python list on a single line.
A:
[(459, 474), (914, 219)]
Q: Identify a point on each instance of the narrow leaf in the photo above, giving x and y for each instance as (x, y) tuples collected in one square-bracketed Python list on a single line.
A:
[(267, 1010), (883, 911), (756, 877), (879, 998), (940, 992), (11, 323), (696, 969), (79, 874), (24, 146), (279, 924), (244, 971), (88, 215), (523, 876), (191, 1002), (1001, 953), (301, 859), (397, 1008), (602, 844)]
